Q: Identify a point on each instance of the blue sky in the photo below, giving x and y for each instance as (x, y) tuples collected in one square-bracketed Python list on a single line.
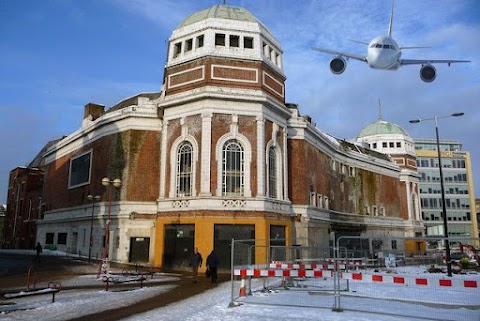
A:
[(58, 55)]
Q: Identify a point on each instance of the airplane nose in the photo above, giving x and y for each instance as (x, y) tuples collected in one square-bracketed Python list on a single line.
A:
[(373, 59)]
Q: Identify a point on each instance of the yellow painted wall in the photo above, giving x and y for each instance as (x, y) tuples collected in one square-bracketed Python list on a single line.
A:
[(411, 247), (204, 233)]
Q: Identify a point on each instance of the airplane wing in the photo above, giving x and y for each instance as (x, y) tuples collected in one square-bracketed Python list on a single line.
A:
[(431, 61), (345, 54)]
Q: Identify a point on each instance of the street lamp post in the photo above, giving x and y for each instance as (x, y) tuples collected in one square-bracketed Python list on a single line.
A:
[(444, 211), (92, 199), (108, 184)]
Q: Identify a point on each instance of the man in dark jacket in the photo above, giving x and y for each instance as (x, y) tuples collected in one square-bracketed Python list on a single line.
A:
[(38, 248), (212, 265), (195, 263)]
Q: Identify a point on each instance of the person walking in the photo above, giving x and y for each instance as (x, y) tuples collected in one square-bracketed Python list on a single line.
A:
[(212, 266), (39, 250), (195, 263)]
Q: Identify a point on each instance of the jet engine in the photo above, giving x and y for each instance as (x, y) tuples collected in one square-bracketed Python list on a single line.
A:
[(428, 73), (338, 65)]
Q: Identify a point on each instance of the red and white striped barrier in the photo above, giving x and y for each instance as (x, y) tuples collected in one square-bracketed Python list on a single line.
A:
[(376, 278), (289, 266), (349, 262), (281, 273), (410, 281)]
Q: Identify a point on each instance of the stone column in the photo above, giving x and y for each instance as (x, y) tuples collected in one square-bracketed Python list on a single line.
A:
[(163, 159), (206, 154), (260, 156)]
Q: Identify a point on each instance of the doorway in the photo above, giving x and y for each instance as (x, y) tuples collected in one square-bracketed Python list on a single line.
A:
[(179, 242), (139, 250)]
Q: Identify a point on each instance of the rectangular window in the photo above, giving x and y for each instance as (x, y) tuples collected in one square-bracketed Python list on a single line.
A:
[(374, 145), (80, 170), (177, 49), (248, 42), (219, 39), (399, 144), (313, 199), (62, 238), (384, 145), (334, 165), (391, 144), (394, 244), (367, 210), (200, 41), (234, 41), (188, 44), (319, 201), (49, 238)]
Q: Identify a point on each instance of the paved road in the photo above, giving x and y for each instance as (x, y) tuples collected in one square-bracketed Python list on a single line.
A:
[(14, 269)]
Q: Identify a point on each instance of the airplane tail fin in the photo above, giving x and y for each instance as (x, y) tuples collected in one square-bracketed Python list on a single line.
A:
[(390, 26)]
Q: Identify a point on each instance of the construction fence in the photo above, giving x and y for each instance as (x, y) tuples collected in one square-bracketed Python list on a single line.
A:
[(354, 269)]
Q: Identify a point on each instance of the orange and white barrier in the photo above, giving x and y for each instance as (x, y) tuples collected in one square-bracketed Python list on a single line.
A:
[(243, 288)]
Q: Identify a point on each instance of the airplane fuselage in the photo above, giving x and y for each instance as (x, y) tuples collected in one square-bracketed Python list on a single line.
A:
[(383, 53)]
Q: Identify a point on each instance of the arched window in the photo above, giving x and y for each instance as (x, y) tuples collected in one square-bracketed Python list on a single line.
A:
[(184, 179), (272, 172), (233, 169)]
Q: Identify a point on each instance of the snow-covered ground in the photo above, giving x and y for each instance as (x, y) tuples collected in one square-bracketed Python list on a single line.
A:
[(311, 301)]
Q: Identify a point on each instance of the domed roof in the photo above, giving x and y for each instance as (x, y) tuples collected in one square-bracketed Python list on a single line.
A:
[(381, 127), (220, 12)]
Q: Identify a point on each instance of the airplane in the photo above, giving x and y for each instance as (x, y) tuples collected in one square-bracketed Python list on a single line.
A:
[(384, 53)]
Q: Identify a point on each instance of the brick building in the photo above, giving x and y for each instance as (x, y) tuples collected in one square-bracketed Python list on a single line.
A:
[(24, 203), (23, 206), (216, 154)]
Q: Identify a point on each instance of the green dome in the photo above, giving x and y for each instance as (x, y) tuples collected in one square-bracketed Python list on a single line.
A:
[(381, 127), (220, 12)]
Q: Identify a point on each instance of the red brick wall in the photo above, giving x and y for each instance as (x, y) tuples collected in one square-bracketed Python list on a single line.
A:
[(247, 126), (173, 132), (373, 189), (308, 167), (232, 74), (297, 175), (23, 202), (132, 156), (143, 166), (194, 124)]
